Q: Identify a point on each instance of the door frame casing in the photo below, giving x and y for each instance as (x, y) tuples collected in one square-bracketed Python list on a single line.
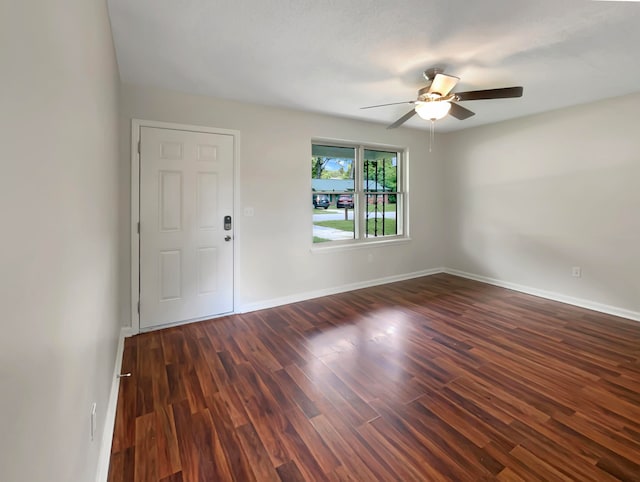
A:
[(136, 125)]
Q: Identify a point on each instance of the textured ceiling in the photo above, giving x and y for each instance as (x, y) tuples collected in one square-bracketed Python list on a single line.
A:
[(335, 56)]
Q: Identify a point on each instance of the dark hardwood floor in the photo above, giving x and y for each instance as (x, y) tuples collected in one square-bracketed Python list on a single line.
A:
[(437, 378)]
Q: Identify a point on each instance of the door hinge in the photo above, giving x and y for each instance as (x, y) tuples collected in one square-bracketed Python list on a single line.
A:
[(138, 307), (138, 147), (138, 227)]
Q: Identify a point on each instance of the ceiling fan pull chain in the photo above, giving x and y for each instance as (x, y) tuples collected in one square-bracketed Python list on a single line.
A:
[(432, 133)]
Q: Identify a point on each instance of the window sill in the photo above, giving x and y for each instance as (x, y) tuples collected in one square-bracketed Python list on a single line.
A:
[(321, 248)]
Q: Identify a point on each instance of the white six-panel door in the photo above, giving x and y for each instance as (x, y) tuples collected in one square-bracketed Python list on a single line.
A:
[(186, 254)]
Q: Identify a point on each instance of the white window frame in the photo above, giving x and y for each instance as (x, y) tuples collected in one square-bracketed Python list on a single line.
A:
[(402, 209)]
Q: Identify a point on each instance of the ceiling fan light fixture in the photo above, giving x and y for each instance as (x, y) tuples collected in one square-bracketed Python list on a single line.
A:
[(433, 110)]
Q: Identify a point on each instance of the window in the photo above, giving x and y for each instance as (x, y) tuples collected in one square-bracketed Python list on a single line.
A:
[(357, 193)]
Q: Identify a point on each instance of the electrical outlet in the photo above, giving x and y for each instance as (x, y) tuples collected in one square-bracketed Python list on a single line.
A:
[(248, 211), (576, 272), (93, 420)]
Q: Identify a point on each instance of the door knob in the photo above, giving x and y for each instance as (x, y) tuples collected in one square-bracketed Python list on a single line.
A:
[(227, 238)]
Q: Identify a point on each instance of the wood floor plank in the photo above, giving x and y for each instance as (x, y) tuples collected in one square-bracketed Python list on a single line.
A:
[(177, 391), (189, 452), (296, 394), (341, 442), (569, 464), (233, 405), (508, 475), (259, 459), (146, 458), (458, 448), (122, 466), (289, 472), (173, 478), (213, 461), (342, 396), (437, 378), (323, 456), (159, 381), (167, 443), (428, 451), (229, 441), (422, 460), (263, 413), (394, 460)]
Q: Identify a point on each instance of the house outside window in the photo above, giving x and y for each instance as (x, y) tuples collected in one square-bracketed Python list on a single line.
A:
[(357, 192)]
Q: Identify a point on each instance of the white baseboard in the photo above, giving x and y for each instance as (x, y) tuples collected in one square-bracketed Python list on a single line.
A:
[(104, 455), (550, 295), (261, 305)]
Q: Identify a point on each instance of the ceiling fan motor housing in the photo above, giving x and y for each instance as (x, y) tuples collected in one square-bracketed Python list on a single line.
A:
[(423, 93)]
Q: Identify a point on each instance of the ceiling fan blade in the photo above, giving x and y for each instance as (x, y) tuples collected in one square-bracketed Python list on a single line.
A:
[(403, 119), (460, 112), (442, 84), (503, 93), (393, 103)]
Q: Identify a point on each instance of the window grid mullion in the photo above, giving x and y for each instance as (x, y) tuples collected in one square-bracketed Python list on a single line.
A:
[(358, 188)]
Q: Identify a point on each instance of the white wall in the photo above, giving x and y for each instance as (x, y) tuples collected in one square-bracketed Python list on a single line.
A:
[(59, 215), (526, 200), (276, 261)]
